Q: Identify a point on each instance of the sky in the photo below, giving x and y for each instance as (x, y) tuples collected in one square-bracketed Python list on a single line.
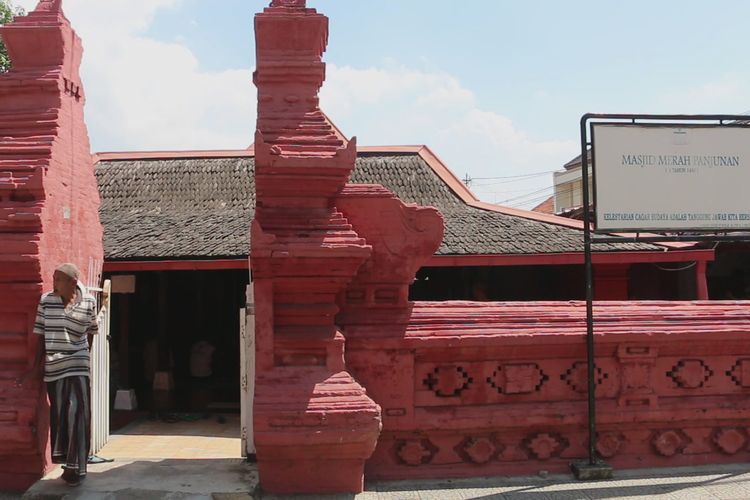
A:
[(496, 88)]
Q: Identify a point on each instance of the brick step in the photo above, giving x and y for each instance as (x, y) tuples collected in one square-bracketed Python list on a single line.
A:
[(14, 149), (301, 141), (41, 116), (291, 131)]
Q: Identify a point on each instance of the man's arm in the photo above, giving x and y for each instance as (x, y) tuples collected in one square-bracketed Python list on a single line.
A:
[(93, 328)]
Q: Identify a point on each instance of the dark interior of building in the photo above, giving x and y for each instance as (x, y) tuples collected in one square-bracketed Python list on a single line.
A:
[(729, 274), (172, 320), (669, 281)]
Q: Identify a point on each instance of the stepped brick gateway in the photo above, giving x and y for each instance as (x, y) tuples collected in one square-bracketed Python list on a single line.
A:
[(354, 379), (48, 214)]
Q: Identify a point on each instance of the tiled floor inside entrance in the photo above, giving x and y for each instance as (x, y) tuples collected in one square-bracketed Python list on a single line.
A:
[(182, 436)]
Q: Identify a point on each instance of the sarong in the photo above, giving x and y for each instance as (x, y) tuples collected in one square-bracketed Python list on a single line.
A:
[(70, 422)]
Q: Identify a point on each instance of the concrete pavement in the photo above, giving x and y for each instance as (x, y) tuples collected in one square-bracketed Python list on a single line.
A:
[(199, 459), (234, 479)]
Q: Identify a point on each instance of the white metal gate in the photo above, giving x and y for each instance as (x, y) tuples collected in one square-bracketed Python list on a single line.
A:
[(247, 372), (100, 375)]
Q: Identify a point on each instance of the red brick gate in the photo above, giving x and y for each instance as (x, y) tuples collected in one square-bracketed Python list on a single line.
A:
[(48, 214), (461, 389)]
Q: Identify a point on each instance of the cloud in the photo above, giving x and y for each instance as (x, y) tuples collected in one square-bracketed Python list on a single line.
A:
[(727, 94), (398, 105), (145, 94), (148, 94)]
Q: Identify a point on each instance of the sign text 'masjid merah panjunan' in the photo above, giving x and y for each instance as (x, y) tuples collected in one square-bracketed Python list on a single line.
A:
[(665, 178)]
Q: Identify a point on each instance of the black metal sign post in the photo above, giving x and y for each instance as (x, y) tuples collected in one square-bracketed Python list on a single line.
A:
[(595, 468)]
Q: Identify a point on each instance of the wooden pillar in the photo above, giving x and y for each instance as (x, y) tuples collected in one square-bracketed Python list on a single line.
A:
[(701, 280), (123, 344), (162, 334)]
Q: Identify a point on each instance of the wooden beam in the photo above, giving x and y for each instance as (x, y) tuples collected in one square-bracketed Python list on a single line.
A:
[(571, 258), (175, 265)]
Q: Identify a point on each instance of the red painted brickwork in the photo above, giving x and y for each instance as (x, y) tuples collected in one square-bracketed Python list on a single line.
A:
[(462, 389), (314, 424), (48, 214), (470, 389)]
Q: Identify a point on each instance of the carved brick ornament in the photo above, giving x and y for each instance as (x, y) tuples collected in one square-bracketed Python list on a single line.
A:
[(668, 443), (517, 378), (299, 4), (730, 441), (448, 381), (690, 373), (545, 446), (478, 450), (415, 452)]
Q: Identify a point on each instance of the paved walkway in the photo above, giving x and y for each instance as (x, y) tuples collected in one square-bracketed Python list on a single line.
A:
[(237, 480), (724, 482), (196, 459)]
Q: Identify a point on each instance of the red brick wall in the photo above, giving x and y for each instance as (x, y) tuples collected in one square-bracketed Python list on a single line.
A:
[(48, 214)]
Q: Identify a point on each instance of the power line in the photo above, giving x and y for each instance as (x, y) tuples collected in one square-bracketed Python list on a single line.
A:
[(531, 201), (535, 174), (549, 188)]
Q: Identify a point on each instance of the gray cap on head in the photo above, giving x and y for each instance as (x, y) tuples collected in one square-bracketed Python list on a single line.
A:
[(69, 269)]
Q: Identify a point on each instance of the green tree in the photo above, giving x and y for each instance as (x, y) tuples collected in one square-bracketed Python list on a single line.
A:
[(7, 11)]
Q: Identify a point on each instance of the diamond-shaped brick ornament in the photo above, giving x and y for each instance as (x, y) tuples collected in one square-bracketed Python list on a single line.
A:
[(480, 450), (517, 378), (740, 373), (415, 451), (448, 381), (690, 373), (577, 376), (544, 446)]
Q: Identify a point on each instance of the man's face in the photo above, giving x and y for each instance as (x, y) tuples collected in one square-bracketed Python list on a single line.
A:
[(63, 284)]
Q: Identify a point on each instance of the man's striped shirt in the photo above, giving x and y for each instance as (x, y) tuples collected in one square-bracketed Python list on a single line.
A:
[(65, 335)]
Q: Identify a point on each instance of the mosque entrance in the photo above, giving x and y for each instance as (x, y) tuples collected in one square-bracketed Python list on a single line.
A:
[(176, 375)]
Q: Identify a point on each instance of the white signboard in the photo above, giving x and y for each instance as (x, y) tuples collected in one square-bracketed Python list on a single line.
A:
[(668, 178)]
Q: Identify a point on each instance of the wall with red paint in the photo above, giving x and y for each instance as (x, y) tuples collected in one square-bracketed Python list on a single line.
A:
[(48, 214), (462, 389), (469, 389), (314, 425)]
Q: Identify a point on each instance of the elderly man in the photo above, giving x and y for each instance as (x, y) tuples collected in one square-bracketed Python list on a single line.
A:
[(67, 318)]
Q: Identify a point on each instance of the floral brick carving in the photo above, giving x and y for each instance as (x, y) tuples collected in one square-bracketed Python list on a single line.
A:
[(668, 443), (731, 440), (608, 444)]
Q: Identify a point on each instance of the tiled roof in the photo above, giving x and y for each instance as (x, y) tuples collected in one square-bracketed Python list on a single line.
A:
[(201, 207), (546, 207), (577, 161)]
